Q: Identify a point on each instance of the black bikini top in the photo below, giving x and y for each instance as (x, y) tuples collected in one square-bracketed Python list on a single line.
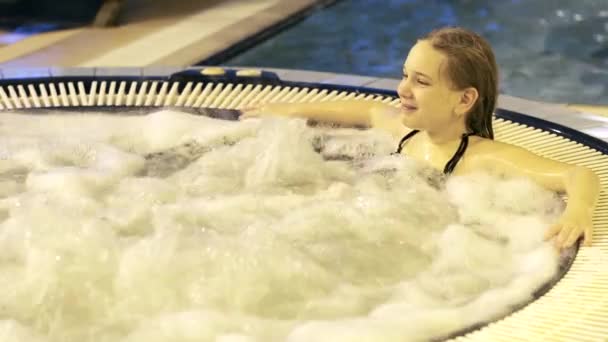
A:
[(451, 164)]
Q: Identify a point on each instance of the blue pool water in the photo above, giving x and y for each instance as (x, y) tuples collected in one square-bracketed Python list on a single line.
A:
[(547, 50)]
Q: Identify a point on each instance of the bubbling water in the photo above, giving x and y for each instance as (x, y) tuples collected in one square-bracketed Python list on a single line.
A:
[(176, 227)]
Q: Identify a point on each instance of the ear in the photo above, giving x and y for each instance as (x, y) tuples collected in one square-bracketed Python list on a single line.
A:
[(467, 100)]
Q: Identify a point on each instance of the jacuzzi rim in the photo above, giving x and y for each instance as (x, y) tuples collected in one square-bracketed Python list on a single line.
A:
[(270, 78), (564, 268)]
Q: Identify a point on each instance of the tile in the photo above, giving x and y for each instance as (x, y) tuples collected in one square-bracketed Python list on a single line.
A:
[(598, 132), (241, 8), (145, 11), (286, 8), (383, 83), (532, 108), (349, 80), (224, 34), (8, 38), (573, 121), (21, 73), (200, 50), (215, 41), (595, 117), (601, 110), (281, 73), (32, 45), (72, 72), (71, 51), (307, 76), (107, 43), (160, 71), (183, 34), (118, 71), (202, 29)]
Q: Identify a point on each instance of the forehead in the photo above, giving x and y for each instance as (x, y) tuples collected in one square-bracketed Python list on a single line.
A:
[(423, 58)]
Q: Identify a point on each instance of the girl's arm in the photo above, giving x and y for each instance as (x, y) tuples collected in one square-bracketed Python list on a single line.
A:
[(360, 113), (580, 184)]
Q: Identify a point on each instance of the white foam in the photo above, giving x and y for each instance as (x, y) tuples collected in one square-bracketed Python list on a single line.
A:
[(254, 237), (12, 331)]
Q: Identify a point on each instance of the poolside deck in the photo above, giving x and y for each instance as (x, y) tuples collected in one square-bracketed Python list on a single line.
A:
[(152, 34)]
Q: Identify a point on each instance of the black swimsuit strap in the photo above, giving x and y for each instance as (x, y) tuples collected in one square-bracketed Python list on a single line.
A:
[(451, 164), (404, 139)]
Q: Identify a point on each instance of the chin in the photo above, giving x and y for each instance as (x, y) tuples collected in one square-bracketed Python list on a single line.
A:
[(410, 122)]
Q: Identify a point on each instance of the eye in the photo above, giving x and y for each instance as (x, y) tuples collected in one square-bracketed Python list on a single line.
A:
[(423, 82), (405, 76)]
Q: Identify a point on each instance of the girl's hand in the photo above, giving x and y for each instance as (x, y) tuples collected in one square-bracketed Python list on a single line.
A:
[(250, 112), (570, 226), (283, 109)]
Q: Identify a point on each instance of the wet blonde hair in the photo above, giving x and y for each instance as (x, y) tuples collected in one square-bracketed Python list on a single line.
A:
[(470, 63)]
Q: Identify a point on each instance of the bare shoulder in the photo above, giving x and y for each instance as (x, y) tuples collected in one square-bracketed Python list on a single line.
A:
[(482, 146), (505, 158), (388, 118), (484, 153)]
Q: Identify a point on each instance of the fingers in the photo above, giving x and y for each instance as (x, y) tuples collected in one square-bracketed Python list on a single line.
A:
[(249, 113), (553, 231), (573, 235), (252, 110), (253, 106), (588, 235), (569, 235), (565, 236), (248, 109), (246, 115)]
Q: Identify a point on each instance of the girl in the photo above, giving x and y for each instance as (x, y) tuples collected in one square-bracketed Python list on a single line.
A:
[(448, 94)]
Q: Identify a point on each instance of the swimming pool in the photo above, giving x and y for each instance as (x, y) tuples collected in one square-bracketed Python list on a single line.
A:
[(552, 51)]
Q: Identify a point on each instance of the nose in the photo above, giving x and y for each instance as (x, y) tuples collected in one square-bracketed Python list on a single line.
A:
[(404, 89)]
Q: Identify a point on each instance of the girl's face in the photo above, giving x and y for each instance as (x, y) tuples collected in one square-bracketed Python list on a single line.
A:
[(428, 101)]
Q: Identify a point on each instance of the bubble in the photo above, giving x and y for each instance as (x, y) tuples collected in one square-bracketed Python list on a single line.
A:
[(269, 230)]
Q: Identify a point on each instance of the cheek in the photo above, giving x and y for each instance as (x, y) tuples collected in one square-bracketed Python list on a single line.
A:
[(414, 123), (438, 104), (435, 114)]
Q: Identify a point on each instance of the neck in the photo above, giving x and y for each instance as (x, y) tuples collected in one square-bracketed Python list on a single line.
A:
[(447, 136)]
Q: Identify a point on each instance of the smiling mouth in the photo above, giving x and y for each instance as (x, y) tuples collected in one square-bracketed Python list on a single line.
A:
[(408, 108)]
